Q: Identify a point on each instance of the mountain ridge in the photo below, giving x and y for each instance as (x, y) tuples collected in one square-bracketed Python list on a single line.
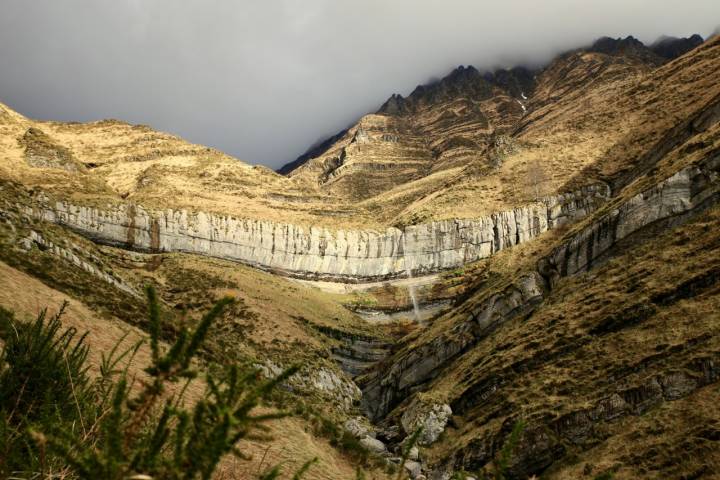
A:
[(518, 80), (466, 261)]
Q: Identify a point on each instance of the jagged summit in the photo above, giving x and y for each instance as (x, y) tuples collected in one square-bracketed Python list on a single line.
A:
[(395, 105), (664, 49), (673, 47), (518, 81), (508, 89), (620, 46), (461, 81)]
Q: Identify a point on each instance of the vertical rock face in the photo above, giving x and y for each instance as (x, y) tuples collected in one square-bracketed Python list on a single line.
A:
[(319, 253)]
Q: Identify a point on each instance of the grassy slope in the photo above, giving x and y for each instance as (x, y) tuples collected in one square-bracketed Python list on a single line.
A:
[(589, 114), (274, 315), (293, 442), (274, 318), (597, 334)]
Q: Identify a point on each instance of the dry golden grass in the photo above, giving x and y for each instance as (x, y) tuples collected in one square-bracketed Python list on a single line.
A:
[(284, 311), (292, 441), (552, 364), (27, 296), (590, 117), (667, 435)]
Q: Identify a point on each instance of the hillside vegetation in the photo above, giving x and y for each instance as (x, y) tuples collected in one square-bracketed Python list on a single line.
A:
[(558, 320)]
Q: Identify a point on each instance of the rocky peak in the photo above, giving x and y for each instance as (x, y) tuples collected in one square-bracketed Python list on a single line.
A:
[(627, 47), (663, 50), (464, 81), (614, 46), (461, 82), (673, 47), (517, 81), (395, 105)]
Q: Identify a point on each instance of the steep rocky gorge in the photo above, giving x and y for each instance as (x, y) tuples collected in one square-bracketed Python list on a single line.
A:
[(627, 221), (676, 198)]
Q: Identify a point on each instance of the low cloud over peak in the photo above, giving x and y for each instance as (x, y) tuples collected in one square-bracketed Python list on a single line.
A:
[(262, 80)]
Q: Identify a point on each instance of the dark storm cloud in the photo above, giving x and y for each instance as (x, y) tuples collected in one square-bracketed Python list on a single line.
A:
[(263, 79)]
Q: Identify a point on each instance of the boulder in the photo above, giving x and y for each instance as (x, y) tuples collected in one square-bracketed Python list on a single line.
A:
[(414, 454), (355, 427), (432, 418), (389, 434), (373, 444), (413, 468)]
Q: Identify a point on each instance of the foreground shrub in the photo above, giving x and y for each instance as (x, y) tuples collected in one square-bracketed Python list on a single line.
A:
[(117, 427), (43, 384)]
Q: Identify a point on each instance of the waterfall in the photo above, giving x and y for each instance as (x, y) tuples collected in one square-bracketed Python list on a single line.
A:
[(411, 287)]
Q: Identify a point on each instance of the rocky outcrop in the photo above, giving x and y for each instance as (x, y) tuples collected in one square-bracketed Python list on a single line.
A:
[(628, 46), (425, 311), (320, 253), (357, 427), (43, 152), (71, 255), (356, 356), (400, 376), (373, 445), (672, 47), (430, 418), (665, 49), (668, 203), (542, 444), (321, 381)]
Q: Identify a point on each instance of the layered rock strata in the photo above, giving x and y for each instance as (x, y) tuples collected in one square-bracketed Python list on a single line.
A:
[(320, 253), (668, 203), (671, 200), (71, 256)]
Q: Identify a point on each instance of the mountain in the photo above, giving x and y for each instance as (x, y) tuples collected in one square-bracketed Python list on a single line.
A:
[(313, 151), (672, 47), (584, 336), (462, 130), (517, 82), (526, 250)]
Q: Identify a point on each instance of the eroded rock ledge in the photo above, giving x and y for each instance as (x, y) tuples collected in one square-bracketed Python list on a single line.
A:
[(319, 253)]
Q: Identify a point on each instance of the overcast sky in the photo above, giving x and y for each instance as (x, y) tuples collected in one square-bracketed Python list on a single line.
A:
[(264, 79)]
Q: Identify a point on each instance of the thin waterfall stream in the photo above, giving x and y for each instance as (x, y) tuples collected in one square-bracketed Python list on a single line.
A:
[(411, 287)]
